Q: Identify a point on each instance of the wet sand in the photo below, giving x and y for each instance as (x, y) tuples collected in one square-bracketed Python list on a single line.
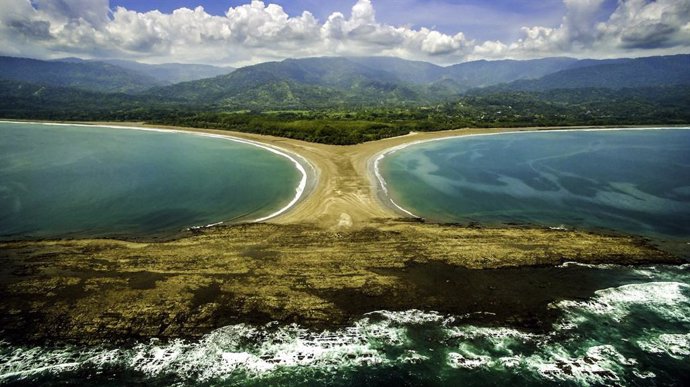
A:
[(339, 252)]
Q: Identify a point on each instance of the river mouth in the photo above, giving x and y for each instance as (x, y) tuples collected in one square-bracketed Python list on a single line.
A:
[(84, 181)]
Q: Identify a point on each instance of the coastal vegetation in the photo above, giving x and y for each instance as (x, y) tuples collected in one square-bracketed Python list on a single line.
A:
[(582, 107), (481, 109), (338, 254), (353, 100)]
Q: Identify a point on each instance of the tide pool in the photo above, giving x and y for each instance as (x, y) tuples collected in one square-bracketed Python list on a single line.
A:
[(633, 181), (66, 181)]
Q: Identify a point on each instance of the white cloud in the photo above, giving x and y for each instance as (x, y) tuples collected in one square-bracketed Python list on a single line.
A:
[(257, 31), (576, 32), (642, 24), (94, 12), (636, 27)]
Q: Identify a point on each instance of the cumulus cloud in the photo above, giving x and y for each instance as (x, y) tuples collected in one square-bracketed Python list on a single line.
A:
[(640, 24), (636, 27), (259, 31)]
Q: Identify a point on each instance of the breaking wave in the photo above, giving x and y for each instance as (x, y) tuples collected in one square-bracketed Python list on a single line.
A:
[(621, 335)]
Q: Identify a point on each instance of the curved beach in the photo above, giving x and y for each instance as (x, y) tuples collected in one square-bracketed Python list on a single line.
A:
[(309, 174), (338, 252), (381, 184), (341, 186), (345, 189)]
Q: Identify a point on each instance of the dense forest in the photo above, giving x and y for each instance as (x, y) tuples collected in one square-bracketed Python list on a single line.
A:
[(347, 101), (645, 106)]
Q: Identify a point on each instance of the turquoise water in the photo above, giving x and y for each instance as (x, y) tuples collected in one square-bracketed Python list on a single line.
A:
[(58, 181), (588, 325), (631, 181)]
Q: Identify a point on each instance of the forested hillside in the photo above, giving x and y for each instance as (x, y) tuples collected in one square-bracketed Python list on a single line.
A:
[(350, 100)]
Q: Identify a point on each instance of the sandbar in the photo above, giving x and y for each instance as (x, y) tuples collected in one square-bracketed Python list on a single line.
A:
[(339, 251)]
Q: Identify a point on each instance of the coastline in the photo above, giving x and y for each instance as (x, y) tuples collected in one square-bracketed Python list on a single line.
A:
[(308, 172), (104, 291), (381, 185), (344, 189), (338, 252)]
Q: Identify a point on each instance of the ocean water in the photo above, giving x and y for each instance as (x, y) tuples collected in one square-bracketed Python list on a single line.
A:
[(629, 326), (58, 181), (634, 334), (632, 181)]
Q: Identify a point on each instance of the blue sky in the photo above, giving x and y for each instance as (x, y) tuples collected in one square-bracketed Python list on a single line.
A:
[(242, 32)]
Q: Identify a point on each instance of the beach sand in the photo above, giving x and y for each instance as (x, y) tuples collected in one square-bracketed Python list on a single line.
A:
[(344, 193), (339, 252)]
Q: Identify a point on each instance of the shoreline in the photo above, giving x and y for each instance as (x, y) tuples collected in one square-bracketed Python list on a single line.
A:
[(308, 171), (343, 187), (381, 185), (337, 253), (101, 290)]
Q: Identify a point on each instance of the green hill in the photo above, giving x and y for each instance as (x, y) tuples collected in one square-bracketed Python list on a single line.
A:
[(93, 76), (384, 81), (301, 83), (171, 73), (615, 74)]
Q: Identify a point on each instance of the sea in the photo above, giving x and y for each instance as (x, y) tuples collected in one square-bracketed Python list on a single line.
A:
[(631, 181), (89, 181), (610, 325)]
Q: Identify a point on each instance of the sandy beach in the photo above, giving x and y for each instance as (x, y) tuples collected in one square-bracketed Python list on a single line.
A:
[(340, 251), (343, 188), (343, 191)]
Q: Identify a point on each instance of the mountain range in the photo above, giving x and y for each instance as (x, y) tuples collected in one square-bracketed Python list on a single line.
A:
[(382, 81), (111, 76), (342, 81), (27, 85), (346, 100)]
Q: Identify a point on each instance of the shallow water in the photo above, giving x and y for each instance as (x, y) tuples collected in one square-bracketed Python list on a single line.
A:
[(602, 325), (636, 333), (633, 181), (58, 181)]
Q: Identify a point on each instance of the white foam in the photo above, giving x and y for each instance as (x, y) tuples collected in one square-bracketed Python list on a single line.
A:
[(589, 265), (491, 333), (413, 317), (600, 365), (667, 273), (495, 340), (20, 363), (299, 191), (572, 352), (251, 350), (666, 299), (411, 357), (457, 360), (383, 186), (676, 346)]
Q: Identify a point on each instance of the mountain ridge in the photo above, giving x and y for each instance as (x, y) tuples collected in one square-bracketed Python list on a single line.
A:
[(376, 81), (92, 76)]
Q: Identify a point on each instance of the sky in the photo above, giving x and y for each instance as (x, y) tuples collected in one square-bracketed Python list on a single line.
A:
[(244, 32)]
